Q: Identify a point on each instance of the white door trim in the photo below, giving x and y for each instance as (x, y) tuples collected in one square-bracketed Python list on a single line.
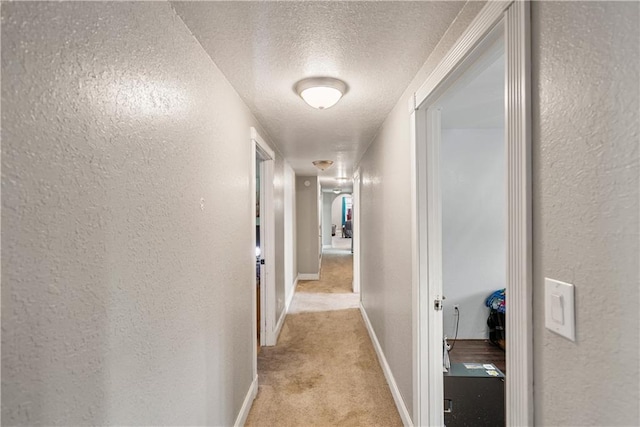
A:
[(268, 330), (519, 322), (512, 17), (434, 267)]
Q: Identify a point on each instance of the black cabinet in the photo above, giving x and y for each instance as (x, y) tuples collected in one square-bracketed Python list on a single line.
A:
[(473, 395)]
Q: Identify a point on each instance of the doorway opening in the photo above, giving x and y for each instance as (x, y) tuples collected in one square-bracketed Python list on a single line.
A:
[(263, 248), (342, 222), (471, 196), (472, 226), (336, 263), (263, 242), (332, 289), (259, 241)]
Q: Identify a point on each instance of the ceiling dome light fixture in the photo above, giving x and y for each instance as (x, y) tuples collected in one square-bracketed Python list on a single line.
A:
[(322, 164), (321, 92), (337, 190)]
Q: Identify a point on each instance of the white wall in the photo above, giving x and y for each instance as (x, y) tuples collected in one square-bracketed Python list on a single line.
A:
[(279, 224), (327, 202), (123, 302), (473, 226), (307, 236), (319, 223), (336, 212), (385, 274), (290, 262), (586, 175)]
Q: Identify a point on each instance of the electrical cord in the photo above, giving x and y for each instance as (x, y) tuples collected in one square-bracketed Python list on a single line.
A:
[(457, 324)]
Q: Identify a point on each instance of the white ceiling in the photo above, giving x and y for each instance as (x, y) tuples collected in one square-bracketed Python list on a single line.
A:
[(264, 48)]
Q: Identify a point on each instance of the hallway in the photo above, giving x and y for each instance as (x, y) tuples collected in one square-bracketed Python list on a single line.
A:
[(336, 274), (130, 133), (324, 370)]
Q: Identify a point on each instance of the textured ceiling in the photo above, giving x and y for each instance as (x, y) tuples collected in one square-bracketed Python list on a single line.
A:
[(264, 48)]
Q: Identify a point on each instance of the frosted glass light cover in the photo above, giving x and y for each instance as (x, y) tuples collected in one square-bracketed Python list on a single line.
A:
[(321, 97)]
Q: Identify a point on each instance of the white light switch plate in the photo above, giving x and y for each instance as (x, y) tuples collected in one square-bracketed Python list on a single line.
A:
[(559, 308)]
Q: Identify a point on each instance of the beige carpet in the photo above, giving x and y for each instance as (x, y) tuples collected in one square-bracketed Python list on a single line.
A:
[(323, 372), (336, 273)]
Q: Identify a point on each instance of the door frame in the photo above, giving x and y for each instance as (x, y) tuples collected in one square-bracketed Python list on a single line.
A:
[(261, 149), (355, 215), (511, 17)]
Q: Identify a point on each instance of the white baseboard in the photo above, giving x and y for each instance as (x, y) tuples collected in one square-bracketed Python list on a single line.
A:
[(283, 315), (248, 402), (293, 292), (307, 276), (276, 331), (395, 391)]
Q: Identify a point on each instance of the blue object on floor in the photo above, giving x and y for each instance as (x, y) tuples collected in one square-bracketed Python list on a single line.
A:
[(496, 301)]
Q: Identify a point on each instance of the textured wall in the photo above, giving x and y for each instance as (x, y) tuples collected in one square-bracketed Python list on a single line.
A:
[(473, 226), (586, 60), (385, 223), (124, 301), (307, 238)]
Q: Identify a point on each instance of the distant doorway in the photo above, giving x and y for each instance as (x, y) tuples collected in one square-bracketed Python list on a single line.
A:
[(264, 243), (259, 241), (342, 219)]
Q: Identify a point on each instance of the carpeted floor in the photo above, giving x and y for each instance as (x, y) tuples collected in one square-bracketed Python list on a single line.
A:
[(306, 302), (336, 273), (323, 372)]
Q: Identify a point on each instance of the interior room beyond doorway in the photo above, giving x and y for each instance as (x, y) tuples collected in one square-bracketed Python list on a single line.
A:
[(470, 118), (473, 194), (342, 222)]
